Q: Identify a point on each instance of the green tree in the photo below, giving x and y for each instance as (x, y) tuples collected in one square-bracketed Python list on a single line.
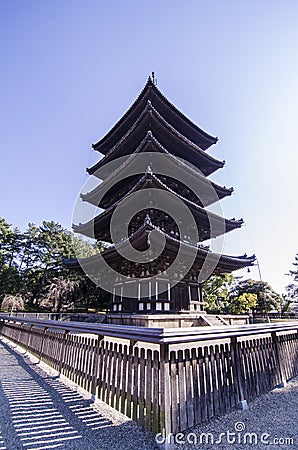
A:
[(4, 232), (215, 293), (93, 296), (267, 298), (292, 288), (10, 245), (243, 303), (285, 304), (10, 241), (10, 281), (46, 249), (32, 265)]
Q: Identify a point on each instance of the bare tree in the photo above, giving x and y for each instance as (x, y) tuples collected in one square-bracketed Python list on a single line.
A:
[(61, 293), (13, 302)]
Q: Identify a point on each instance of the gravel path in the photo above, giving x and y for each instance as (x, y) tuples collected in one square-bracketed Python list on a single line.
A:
[(38, 411)]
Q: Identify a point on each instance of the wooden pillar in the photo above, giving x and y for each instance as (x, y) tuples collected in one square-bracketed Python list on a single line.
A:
[(201, 297)]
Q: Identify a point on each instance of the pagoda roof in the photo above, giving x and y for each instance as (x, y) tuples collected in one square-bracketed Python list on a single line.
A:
[(210, 225), (150, 143), (141, 240), (210, 192), (166, 135), (175, 117)]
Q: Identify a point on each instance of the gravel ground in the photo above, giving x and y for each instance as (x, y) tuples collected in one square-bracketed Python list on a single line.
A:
[(38, 411)]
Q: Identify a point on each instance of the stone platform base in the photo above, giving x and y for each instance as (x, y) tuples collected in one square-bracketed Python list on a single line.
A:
[(157, 320), (182, 320)]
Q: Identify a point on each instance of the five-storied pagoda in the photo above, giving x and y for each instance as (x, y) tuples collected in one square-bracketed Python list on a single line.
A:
[(157, 157)]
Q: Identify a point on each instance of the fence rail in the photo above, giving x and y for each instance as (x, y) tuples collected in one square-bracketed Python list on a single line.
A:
[(167, 380)]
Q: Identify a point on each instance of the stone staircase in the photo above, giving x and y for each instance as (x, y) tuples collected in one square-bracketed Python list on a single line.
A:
[(214, 320)]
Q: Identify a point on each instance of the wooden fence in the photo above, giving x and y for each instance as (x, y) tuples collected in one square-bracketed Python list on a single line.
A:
[(167, 380)]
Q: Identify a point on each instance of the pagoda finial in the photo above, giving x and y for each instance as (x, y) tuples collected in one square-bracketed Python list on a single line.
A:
[(154, 80)]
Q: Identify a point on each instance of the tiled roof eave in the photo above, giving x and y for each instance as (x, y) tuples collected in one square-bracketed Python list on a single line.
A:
[(96, 191), (148, 90), (227, 262), (115, 151)]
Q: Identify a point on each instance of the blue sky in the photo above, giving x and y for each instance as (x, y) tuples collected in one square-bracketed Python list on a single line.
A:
[(70, 69)]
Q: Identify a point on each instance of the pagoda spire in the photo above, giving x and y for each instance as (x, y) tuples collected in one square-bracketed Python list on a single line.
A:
[(154, 80)]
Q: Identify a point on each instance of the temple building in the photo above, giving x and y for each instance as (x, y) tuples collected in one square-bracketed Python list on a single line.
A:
[(155, 193)]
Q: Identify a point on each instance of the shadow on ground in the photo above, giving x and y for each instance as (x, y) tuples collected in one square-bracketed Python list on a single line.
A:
[(37, 411)]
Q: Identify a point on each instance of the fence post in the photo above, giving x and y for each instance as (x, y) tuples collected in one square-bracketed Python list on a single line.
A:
[(94, 373), (20, 332), (62, 352), (29, 337), (165, 398), (283, 381), (237, 373), (42, 340)]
